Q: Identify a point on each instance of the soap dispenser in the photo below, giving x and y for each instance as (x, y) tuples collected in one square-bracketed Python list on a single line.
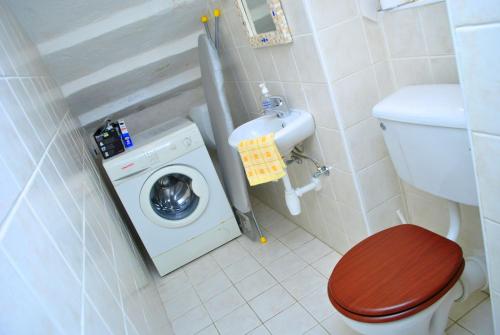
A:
[(265, 101), (273, 104)]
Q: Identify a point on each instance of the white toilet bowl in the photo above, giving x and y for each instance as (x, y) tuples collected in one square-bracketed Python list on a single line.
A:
[(430, 321)]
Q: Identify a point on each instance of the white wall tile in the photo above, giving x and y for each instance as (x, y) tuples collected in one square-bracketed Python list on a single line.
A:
[(297, 21), (356, 95), (487, 152), (366, 142), (233, 60), (250, 64), (345, 190), (472, 12), (444, 70), (495, 300), (6, 66), (376, 40), (65, 194), (93, 321), (320, 105), (412, 71), (471, 235), (285, 63), (307, 60), (330, 12), (9, 190), (384, 216), (353, 224), (331, 143), (404, 33), (479, 75), (32, 112), (266, 63), (385, 78), (19, 119), (251, 105), (10, 43), (379, 182), (38, 260), (294, 96), (99, 293), (492, 231), (47, 210), (41, 149), (428, 211), (345, 49), (434, 19), (235, 25), (41, 105), (18, 304)]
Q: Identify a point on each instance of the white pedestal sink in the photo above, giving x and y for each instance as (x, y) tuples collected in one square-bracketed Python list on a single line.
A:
[(289, 131)]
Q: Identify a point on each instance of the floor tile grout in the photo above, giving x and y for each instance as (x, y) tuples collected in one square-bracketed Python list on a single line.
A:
[(472, 308)]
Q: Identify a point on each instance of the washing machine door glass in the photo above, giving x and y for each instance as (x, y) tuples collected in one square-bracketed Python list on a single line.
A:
[(174, 196)]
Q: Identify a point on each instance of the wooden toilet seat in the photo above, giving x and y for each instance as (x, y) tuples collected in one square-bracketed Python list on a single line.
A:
[(395, 274)]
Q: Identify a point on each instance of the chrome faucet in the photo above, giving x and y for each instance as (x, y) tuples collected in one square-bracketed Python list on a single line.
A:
[(276, 105)]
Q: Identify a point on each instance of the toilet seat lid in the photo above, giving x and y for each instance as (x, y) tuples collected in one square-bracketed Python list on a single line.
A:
[(395, 271)]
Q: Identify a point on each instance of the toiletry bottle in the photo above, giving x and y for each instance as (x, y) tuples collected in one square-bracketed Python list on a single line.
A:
[(265, 99)]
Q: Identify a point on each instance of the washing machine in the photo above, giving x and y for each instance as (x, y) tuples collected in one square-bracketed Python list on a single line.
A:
[(171, 192)]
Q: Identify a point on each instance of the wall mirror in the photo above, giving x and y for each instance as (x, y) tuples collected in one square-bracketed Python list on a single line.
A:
[(265, 22)]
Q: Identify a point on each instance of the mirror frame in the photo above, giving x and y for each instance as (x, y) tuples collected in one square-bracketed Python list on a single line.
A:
[(282, 33)]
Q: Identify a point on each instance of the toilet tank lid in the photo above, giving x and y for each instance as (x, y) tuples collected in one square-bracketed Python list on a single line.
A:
[(434, 105)]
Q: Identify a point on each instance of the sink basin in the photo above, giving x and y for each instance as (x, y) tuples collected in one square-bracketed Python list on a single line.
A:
[(289, 131)]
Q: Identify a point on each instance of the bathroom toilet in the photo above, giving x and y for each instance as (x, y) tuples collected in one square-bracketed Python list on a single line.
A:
[(404, 280), (400, 274)]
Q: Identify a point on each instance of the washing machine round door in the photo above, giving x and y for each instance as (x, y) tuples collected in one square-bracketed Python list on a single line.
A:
[(174, 196)]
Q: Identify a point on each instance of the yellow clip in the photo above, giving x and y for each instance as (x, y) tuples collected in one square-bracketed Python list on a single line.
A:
[(204, 19), (217, 12)]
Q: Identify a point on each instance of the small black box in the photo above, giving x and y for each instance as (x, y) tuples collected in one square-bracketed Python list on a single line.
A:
[(109, 140)]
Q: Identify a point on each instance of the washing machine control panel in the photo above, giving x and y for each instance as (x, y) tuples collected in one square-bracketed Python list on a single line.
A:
[(187, 141), (161, 151), (152, 156), (174, 147)]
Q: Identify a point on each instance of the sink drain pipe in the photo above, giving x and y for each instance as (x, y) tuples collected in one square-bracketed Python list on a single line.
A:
[(293, 195)]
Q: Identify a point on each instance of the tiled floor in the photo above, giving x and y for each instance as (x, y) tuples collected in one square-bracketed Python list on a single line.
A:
[(244, 287)]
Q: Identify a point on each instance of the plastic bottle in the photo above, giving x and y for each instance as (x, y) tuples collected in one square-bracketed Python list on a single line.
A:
[(265, 101)]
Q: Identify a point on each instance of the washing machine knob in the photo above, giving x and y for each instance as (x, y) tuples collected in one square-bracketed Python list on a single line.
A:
[(188, 141)]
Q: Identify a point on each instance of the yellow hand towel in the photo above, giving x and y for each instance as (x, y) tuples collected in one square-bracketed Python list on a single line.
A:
[(261, 160)]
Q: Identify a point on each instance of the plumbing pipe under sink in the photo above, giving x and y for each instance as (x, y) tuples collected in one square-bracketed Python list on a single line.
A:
[(292, 195)]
